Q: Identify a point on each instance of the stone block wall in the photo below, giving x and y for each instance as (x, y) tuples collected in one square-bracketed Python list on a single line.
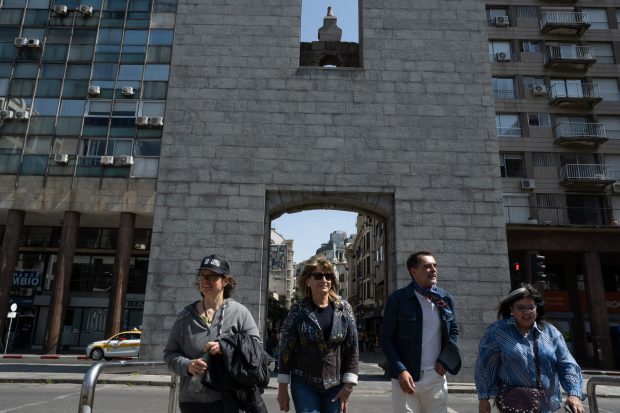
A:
[(243, 121)]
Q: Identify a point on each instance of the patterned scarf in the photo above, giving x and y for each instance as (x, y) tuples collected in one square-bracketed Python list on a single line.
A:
[(433, 295)]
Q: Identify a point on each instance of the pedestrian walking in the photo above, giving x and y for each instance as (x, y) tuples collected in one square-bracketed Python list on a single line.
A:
[(418, 338), (520, 339), (272, 349), (318, 355), (370, 340), (199, 327), (366, 342), (361, 342)]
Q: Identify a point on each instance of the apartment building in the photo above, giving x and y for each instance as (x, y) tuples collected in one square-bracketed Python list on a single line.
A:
[(281, 267), (555, 74), (335, 251)]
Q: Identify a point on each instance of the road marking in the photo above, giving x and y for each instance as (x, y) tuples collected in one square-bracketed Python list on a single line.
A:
[(452, 410), (45, 401)]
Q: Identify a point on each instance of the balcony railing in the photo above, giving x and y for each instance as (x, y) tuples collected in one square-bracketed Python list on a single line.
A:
[(580, 130), (509, 132), (587, 172), (505, 94), (612, 134), (574, 94), (580, 57), (564, 22), (606, 60), (560, 216)]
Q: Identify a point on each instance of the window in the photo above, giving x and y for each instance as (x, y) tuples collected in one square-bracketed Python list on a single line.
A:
[(37, 146), (495, 12), (72, 108), (45, 107), (567, 88), (161, 37), (529, 82), (118, 147), (603, 52), (75, 71), (504, 88), (166, 5), (124, 109), (528, 46), (58, 36), (507, 125), (511, 165), (110, 36), (597, 18), (516, 209), (577, 159), (99, 108), (612, 126), (148, 147), (11, 145), (156, 72), (153, 109), (65, 146), (136, 37), (527, 12), (538, 119), (26, 70), (130, 72), (36, 18), (104, 71), (608, 88), (499, 50)]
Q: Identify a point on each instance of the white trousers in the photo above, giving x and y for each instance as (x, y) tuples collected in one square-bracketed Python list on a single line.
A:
[(431, 395)]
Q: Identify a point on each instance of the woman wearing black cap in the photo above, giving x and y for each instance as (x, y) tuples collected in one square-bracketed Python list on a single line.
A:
[(197, 328)]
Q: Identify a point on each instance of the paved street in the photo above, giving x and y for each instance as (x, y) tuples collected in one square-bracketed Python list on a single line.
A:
[(63, 398)]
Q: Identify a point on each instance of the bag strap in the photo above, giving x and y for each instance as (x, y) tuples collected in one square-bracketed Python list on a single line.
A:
[(538, 379)]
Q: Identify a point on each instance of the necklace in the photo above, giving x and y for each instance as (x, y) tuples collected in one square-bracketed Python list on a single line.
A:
[(204, 317)]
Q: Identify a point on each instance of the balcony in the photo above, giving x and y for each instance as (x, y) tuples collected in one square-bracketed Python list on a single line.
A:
[(564, 23), (560, 216), (574, 94), (586, 177), (508, 132), (505, 94), (569, 57), (573, 133)]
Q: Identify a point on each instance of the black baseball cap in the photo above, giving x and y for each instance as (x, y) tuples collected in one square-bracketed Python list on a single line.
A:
[(215, 263)]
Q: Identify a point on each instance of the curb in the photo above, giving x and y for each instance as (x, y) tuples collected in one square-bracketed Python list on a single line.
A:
[(78, 381), (37, 357), (600, 373)]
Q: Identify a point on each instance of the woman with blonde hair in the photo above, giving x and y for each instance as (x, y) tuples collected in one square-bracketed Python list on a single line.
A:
[(320, 327)]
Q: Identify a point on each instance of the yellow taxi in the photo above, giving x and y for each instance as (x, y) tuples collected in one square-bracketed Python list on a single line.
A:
[(125, 344)]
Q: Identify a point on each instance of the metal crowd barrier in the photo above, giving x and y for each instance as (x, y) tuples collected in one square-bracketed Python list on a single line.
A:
[(87, 395), (595, 381)]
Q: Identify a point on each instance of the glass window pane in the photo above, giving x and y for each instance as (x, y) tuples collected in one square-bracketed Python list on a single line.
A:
[(26, 70), (84, 36), (94, 147), (137, 24), (7, 51), (75, 88), (99, 108), (148, 133), (37, 146), (124, 109), (111, 22), (153, 109), (105, 71), (28, 53), (16, 104), (22, 87), (156, 72), (96, 4), (140, 5), (39, 4), (58, 35), (65, 146), (78, 71), (120, 147), (36, 17), (159, 54), (34, 165), (41, 125), (52, 70), (87, 21), (5, 69), (55, 52), (11, 16), (110, 36), (161, 37), (148, 148), (115, 4), (45, 107), (14, 4), (11, 145), (123, 122), (4, 90), (72, 108), (118, 132), (32, 33), (155, 90), (8, 34), (48, 88), (137, 37), (166, 5), (68, 126), (9, 164), (66, 20), (130, 72), (81, 53)]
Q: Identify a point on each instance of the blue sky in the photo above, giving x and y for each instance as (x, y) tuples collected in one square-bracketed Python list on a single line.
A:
[(313, 11), (310, 229)]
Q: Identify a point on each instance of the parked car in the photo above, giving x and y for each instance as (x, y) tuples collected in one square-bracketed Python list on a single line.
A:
[(125, 344)]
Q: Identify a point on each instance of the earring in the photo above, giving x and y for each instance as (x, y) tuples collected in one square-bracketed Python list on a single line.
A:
[(510, 313)]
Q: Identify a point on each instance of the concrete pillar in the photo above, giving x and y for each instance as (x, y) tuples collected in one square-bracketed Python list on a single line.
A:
[(597, 310), (8, 259), (62, 280), (120, 275), (572, 287)]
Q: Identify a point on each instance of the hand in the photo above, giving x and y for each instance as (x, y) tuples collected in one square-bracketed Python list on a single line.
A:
[(484, 406), (214, 346), (575, 404), (406, 383), (197, 367), (283, 399), (343, 395), (440, 369)]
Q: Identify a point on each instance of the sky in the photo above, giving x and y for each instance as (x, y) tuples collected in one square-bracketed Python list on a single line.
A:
[(310, 229), (313, 11)]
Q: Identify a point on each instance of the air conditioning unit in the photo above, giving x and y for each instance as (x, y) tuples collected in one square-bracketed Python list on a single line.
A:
[(528, 184), (94, 90), (615, 188), (503, 57), (61, 158), (25, 292), (34, 43), (7, 114), (20, 42), (501, 21), (139, 246), (22, 115), (157, 121), (107, 160), (539, 90), (128, 91), (126, 160), (60, 10), (86, 10), (142, 121)]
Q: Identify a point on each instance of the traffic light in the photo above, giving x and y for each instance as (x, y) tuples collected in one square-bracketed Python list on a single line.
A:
[(538, 267), (517, 272)]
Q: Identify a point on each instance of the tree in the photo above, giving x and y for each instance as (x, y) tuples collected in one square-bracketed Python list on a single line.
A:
[(296, 296), (277, 312)]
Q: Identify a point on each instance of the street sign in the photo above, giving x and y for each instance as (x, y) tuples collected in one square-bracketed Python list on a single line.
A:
[(13, 307), (12, 314)]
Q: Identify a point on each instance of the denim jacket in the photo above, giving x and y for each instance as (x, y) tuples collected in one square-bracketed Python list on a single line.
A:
[(401, 334), (305, 354)]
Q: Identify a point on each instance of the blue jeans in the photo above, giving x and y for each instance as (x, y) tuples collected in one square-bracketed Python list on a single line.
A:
[(309, 399)]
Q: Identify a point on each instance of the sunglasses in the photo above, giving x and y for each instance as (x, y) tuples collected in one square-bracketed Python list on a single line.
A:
[(522, 308), (211, 277), (319, 276)]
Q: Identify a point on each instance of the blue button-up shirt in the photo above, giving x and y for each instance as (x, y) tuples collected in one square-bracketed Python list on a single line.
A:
[(508, 355)]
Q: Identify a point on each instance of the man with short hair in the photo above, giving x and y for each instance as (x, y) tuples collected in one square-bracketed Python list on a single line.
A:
[(418, 338)]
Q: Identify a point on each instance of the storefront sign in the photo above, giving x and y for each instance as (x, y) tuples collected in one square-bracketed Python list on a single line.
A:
[(134, 304), (557, 301), (22, 300), (612, 299), (26, 278)]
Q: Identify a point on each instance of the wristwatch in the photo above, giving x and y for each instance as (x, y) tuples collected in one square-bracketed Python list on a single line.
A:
[(350, 390)]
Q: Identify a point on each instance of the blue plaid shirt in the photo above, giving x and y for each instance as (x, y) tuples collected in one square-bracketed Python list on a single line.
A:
[(506, 354)]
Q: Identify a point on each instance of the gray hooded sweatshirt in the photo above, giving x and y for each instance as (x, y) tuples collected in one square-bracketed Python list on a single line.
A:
[(190, 334)]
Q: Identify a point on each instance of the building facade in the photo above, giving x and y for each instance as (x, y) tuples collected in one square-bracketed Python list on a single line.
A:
[(335, 252), (281, 267), (557, 109)]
